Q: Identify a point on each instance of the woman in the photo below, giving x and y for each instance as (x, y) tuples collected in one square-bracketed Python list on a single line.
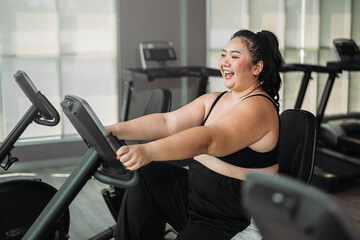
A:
[(228, 134)]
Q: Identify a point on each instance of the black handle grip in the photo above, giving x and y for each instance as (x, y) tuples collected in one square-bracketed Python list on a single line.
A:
[(128, 180), (55, 117), (114, 142), (47, 114)]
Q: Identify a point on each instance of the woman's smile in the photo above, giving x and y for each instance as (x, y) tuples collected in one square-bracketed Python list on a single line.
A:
[(228, 74)]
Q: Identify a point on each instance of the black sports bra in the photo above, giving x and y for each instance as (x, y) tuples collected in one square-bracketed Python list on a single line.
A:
[(246, 157)]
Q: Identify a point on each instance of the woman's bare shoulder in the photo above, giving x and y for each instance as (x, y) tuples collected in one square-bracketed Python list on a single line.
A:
[(209, 98), (211, 95)]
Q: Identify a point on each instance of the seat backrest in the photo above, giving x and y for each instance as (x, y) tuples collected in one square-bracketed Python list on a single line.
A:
[(159, 102), (297, 144)]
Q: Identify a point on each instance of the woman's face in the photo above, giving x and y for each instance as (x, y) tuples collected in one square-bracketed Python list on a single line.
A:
[(236, 67)]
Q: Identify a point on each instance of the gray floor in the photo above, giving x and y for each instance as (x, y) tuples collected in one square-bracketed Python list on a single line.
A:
[(89, 214), (348, 197)]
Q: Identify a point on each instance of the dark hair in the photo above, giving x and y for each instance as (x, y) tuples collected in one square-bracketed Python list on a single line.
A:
[(264, 46)]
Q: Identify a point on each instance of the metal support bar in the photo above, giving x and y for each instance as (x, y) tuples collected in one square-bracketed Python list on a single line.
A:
[(303, 87), (130, 89), (325, 97), (14, 135), (64, 196), (202, 86)]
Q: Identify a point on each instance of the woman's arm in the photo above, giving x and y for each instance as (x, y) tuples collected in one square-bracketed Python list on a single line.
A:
[(242, 126), (149, 127), (160, 125)]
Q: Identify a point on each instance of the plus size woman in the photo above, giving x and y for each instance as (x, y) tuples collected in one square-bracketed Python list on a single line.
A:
[(228, 134)]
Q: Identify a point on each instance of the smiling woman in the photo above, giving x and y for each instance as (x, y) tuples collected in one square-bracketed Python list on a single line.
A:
[(235, 64), (264, 55), (236, 131)]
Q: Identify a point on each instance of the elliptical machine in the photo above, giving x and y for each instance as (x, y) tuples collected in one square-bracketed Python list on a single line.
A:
[(23, 200)]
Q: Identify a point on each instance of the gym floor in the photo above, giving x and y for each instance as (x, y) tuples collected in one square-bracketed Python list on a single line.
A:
[(89, 214)]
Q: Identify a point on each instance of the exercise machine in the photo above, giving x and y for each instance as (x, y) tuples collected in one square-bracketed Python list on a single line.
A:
[(339, 135), (99, 161), (341, 132), (41, 112), (307, 70), (159, 61), (333, 165), (283, 209), (321, 178), (132, 75), (23, 200)]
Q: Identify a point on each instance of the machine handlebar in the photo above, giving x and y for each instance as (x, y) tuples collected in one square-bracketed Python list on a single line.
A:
[(47, 114)]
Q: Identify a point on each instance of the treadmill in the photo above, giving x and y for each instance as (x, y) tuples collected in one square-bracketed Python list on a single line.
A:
[(338, 150), (159, 61)]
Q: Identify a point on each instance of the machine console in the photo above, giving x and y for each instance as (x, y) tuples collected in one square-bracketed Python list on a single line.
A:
[(94, 134), (157, 55), (347, 50), (45, 108)]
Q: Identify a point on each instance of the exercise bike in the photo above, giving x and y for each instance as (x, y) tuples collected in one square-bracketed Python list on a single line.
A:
[(99, 161), (23, 200)]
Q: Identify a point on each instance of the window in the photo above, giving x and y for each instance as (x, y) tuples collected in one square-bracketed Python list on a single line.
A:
[(305, 29), (67, 47)]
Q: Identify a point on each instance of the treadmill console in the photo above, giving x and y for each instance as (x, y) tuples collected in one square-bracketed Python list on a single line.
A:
[(157, 55), (347, 50)]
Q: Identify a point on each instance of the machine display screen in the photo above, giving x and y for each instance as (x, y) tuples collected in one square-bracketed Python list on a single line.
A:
[(348, 50), (159, 54)]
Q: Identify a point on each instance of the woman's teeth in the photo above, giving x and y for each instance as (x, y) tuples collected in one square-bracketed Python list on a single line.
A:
[(228, 74)]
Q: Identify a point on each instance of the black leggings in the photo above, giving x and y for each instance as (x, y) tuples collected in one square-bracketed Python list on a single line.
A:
[(161, 197)]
